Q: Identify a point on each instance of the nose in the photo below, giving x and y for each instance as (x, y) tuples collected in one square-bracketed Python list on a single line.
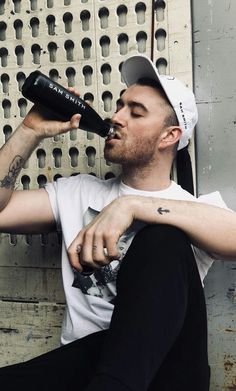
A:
[(119, 118)]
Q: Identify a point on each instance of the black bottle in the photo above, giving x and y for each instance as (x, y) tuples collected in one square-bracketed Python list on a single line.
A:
[(40, 89)]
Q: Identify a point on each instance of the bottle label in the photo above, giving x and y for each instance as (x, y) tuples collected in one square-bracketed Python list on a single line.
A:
[(67, 96)]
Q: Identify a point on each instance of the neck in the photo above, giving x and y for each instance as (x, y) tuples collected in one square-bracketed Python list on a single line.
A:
[(147, 178)]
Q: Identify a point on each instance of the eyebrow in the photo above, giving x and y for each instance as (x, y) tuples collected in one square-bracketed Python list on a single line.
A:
[(132, 104)]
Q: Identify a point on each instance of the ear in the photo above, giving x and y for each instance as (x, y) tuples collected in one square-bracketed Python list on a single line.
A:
[(169, 137)]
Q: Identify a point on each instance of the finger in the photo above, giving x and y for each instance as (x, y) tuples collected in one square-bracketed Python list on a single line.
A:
[(59, 127), (103, 257), (111, 245), (86, 255), (72, 124), (99, 256), (74, 121), (105, 248), (112, 250), (73, 91), (74, 256)]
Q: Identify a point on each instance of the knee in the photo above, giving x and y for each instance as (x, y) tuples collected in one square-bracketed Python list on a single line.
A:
[(159, 242), (158, 251), (162, 236)]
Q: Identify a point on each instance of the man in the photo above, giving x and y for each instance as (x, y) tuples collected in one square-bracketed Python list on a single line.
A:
[(133, 256)]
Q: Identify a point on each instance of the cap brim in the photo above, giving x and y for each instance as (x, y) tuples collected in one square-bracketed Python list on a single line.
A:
[(137, 67), (140, 66)]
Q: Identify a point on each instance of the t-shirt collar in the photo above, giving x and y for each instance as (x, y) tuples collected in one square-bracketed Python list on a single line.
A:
[(127, 190)]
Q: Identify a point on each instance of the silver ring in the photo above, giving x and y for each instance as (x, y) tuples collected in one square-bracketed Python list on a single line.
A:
[(105, 252)]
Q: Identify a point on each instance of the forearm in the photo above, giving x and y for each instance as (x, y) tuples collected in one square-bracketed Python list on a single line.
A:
[(21, 144), (13, 156), (208, 227)]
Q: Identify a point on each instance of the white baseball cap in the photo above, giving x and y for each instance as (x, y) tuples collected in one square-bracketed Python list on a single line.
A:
[(180, 97)]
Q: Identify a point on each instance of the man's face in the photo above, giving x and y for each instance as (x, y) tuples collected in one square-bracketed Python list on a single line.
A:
[(138, 121)]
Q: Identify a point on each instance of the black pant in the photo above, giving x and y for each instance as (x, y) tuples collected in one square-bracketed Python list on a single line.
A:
[(157, 340)]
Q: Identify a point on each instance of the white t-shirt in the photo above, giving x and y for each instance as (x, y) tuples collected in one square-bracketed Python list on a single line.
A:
[(75, 201)]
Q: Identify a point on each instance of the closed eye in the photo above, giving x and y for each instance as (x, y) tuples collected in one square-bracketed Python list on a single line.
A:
[(136, 115), (136, 109)]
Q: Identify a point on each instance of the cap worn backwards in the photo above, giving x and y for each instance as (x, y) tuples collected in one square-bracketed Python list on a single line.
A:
[(180, 97)]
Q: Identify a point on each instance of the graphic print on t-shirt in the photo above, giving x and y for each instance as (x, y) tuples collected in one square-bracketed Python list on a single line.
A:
[(102, 282)]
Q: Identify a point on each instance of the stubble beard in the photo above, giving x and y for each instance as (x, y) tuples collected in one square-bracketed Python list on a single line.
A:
[(140, 154)]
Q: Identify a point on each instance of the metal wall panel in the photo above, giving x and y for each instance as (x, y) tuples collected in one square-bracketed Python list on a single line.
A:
[(215, 86)]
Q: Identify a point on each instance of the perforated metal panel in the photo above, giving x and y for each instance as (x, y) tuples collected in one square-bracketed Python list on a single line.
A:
[(83, 44)]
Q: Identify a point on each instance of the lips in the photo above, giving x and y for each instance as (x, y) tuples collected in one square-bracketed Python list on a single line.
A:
[(116, 136)]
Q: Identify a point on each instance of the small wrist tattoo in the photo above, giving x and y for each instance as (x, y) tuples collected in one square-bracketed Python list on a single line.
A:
[(161, 211), (8, 181)]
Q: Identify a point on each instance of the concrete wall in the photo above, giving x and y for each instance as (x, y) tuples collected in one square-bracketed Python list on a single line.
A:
[(214, 37)]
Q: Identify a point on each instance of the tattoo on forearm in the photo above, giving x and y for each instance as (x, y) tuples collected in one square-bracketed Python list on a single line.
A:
[(161, 211), (14, 169)]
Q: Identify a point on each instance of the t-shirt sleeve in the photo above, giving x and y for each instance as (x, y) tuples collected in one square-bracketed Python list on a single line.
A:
[(213, 199), (51, 189)]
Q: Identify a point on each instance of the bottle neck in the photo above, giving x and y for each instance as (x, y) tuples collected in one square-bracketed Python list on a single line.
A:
[(111, 133)]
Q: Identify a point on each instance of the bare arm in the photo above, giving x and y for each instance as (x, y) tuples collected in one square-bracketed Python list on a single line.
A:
[(27, 211), (21, 144), (13, 156), (211, 228)]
